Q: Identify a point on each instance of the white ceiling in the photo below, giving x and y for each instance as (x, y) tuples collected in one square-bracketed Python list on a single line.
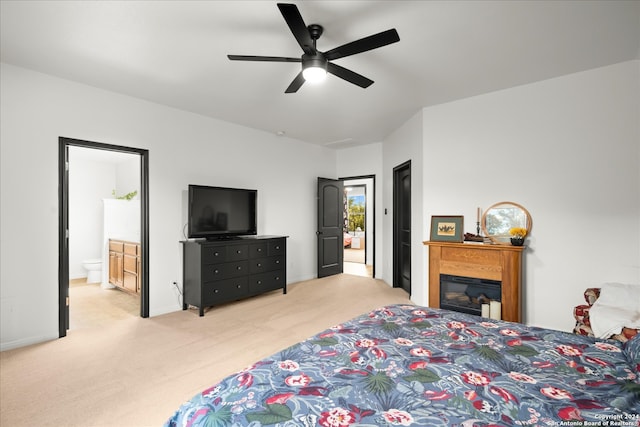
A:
[(174, 53)]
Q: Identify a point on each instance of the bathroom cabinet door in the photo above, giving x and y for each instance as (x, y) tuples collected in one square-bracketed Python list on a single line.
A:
[(130, 272), (124, 265), (115, 262), (112, 267), (118, 277)]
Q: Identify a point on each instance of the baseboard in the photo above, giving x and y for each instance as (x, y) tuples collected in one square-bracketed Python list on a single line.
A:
[(26, 342)]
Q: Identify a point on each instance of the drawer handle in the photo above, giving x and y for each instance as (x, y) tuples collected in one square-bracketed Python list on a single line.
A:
[(238, 251), (215, 291), (277, 278), (277, 261), (216, 271), (238, 268), (278, 248), (259, 249), (216, 253), (259, 265), (238, 286), (259, 282)]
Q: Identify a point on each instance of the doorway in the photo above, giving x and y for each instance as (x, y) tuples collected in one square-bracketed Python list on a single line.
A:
[(402, 226), (333, 227), (359, 219), (71, 149)]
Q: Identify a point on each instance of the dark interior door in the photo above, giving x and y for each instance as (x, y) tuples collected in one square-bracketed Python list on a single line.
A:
[(330, 226), (402, 226), (63, 241)]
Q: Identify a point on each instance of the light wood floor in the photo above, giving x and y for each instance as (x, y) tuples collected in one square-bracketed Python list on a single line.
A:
[(136, 372)]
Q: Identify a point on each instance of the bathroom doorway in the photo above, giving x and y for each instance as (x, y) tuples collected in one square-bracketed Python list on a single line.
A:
[(359, 226), (103, 196)]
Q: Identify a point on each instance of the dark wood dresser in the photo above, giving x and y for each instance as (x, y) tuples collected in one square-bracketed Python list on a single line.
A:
[(219, 271)]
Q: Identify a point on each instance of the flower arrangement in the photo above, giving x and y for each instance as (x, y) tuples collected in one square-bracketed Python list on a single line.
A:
[(517, 235), (518, 232)]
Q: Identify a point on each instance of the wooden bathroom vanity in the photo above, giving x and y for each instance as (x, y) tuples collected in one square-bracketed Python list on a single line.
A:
[(124, 265)]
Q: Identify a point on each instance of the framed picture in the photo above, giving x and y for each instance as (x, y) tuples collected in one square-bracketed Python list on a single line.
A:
[(447, 228)]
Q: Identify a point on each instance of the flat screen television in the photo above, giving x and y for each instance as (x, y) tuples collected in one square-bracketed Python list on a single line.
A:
[(219, 212)]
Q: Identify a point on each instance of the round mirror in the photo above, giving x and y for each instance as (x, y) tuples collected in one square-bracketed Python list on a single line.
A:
[(502, 217)]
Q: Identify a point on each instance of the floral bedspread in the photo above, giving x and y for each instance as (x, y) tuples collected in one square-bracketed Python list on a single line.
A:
[(408, 365)]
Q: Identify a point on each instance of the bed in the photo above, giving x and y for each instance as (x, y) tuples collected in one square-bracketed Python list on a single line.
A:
[(408, 365)]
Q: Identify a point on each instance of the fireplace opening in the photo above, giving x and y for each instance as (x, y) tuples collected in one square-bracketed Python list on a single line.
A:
[(467, 294)]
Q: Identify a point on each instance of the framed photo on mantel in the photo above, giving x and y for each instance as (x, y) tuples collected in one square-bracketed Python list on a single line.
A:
[(447, 228)]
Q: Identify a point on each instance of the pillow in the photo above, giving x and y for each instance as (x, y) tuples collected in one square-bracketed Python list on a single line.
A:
[(617, 307)]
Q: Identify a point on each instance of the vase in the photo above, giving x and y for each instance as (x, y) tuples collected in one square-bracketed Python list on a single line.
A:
[(517, 241)]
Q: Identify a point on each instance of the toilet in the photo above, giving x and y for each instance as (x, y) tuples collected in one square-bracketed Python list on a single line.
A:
[(94, 270)]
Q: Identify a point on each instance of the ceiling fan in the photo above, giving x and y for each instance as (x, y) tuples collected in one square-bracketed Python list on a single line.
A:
[(316, 64)]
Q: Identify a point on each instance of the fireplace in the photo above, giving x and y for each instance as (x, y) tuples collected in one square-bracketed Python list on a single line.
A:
[(499, 263), (467, 294)]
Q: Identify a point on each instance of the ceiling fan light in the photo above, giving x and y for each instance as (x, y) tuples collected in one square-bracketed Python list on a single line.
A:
[(314, 68), (314, 74)]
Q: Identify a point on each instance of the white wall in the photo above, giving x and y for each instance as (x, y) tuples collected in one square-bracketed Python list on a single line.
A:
[(363, 161), (568, 150), (89, 183), (184, 148), (403, 145), (128, 176)]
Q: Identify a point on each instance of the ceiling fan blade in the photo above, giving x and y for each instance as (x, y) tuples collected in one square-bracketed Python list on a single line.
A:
[(295, 84), (262, 58), (349, 75), (362, 45), (296, 24)]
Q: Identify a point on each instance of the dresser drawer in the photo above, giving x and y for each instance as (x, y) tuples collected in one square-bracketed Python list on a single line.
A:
[(224, 290), (265, 282), (258, 250), (260, 265), (224, 271), (214, 254), (237, 252), (276, 247)]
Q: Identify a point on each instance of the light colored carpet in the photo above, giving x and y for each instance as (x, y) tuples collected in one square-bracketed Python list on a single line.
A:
[(91, 306), (137, 372)]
